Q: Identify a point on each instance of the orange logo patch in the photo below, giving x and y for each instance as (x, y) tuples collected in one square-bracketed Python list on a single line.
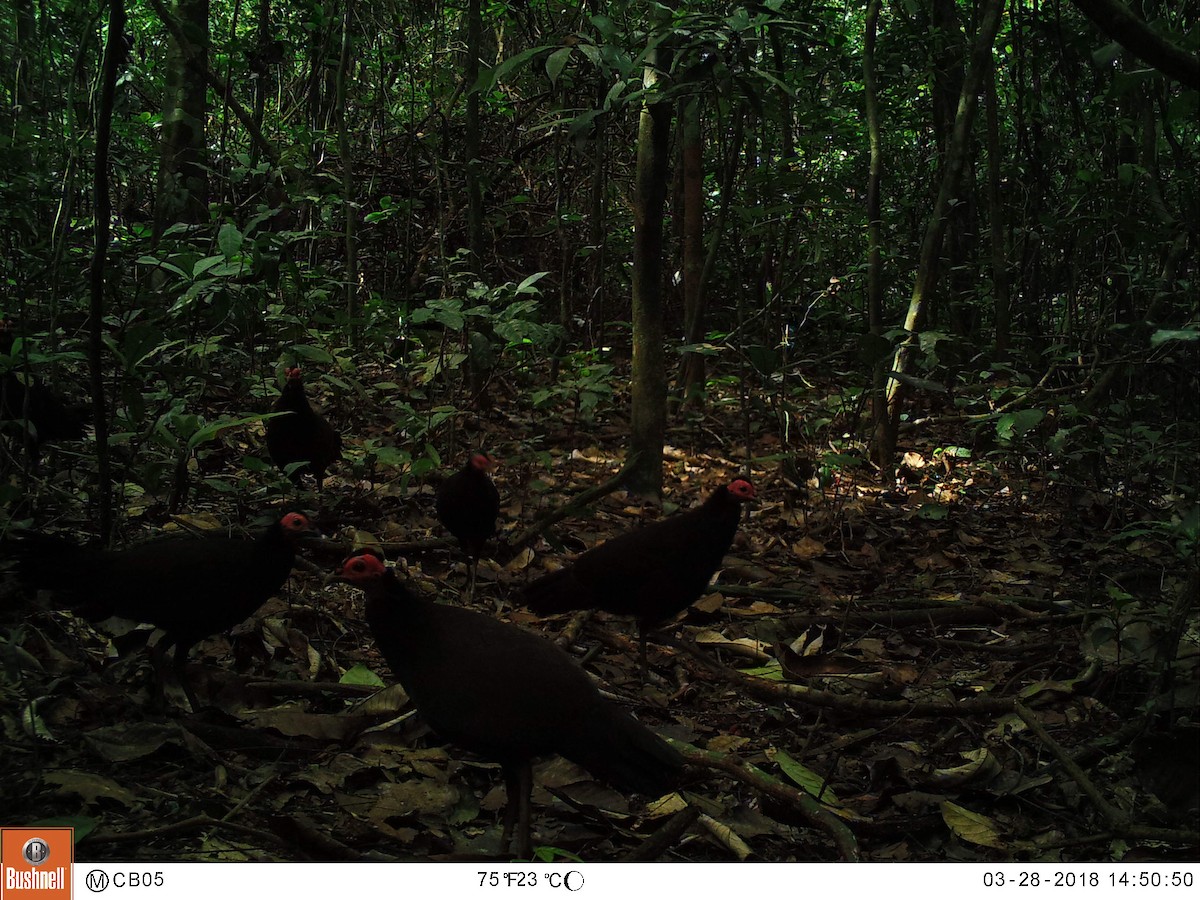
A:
[(35, 863)]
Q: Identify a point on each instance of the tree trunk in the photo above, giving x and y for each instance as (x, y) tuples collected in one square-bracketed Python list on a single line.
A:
[(1119, 23), (265, 70), (996, 217), (183, 165), (113, 50), (649, 382), (23, 94), (473, 140), (884, 449), (948, 74), (597, 226), (935, 230), (692, 156), (345, 150)]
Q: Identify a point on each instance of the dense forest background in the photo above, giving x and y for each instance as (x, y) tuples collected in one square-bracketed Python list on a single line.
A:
[(926, 270)]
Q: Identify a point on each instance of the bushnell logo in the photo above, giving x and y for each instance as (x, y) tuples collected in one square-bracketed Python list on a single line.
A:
[(35, 863), (36, 851)]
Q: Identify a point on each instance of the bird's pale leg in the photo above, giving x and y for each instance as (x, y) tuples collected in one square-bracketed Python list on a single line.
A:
[(642, 663), (512, 787), (158, 652), (518, 786), (524, 792), (181, 656)]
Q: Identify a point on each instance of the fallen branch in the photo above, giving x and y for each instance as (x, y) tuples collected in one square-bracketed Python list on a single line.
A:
[(663, 839), (796, 693), (1119, 821), (805, 805), (576, 504)]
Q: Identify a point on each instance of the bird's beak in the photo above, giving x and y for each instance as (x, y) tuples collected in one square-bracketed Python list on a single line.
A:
[(314, 530)]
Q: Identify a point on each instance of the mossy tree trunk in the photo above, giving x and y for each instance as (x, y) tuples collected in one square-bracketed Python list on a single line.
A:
[(183, 161), (649, 381)]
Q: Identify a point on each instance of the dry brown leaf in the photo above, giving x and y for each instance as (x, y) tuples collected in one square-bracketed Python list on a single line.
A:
[(91, 787), (710, 603), (808, 548)]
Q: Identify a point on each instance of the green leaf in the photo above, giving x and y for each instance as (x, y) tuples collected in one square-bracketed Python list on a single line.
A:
[(488, 78), (704, 349), (161, 264), (972, 827), (312, 354), (33, 724), (1015, 424), (1178, 334), (772, 671), (933, 512), (1189, 525), (604, 26), (930, 339), (392, 457), (525, 287), (423, 466), (555, 63), (360, 674), (231, 269), (613, 95), (208, 432), (256, 466), (203, 265), (580, 127), (804, 777), (229, 239)]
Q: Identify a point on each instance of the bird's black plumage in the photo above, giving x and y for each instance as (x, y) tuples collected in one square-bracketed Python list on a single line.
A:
[(651, 573), (497, 690), (303, 435), (190, 587), (468, 505), (45, 416)]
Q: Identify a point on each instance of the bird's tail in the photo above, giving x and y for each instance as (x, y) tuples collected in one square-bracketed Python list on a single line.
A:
[(557, 592), (70, 425), (43, 562), (618, 749)]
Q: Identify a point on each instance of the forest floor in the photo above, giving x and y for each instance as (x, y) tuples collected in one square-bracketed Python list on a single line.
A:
[(973, 664)]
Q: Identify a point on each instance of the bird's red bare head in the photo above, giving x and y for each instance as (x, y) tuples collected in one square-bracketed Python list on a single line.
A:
[(296, 524), (741, 490), (481, 461), (362, 569), (294, 374)]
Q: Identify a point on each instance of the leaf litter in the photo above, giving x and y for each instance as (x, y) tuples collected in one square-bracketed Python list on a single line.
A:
[(878, 658)]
